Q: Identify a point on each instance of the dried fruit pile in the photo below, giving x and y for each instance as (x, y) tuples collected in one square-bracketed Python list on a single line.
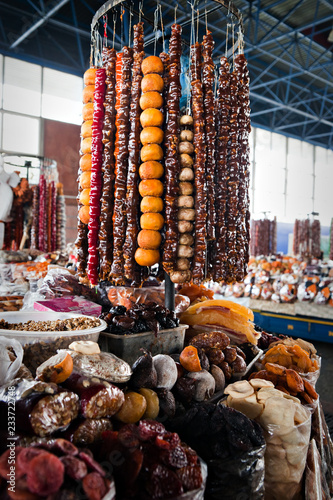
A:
[(232, 446), (53, 469), (155, 465), (146, 317)]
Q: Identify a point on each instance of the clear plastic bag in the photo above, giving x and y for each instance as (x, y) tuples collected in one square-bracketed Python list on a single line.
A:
[(313, 475), (286, 450), (321, 435), (9, 367), (126, 296)]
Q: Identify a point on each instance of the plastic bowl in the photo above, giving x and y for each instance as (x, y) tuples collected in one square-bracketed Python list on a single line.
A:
[(39, 346)]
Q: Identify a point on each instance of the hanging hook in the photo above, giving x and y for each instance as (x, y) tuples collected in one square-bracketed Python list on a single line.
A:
[(105, 33), (114, 27), (155, 28), (140, 10), (162, 26)]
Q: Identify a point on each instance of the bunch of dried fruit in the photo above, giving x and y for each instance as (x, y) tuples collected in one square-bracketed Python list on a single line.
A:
[(288, 381), (154, 463), (216, 346), (291, 356)]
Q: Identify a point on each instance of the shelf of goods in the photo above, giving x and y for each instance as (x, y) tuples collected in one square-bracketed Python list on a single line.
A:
[(228, 415)]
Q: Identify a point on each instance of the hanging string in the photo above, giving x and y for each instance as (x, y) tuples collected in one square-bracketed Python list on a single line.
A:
[(122, 26), (140, 11), (226, 40), (105, 33), (192, 35), (114, 28), (130, 24), (206, 19), (162, 26), (198, 25), (240, 41), (176, 13), (155, 28), (233, 46)]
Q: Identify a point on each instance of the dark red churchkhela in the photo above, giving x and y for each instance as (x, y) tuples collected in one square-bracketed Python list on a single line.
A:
[(105, 242), (199, 259), (242, 75), (96, 177), (233, 180), (35, 212), (172, 166), (121, 155), (208, 79), (221, 172), (132, 194)]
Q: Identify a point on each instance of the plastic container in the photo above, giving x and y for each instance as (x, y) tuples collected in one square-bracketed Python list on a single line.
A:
[(39, 346), (127, 347)]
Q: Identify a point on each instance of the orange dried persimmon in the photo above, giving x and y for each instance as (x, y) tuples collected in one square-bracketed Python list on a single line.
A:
[(189, 359)]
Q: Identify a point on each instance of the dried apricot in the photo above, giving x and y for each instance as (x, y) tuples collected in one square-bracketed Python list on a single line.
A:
[(189, 359), (151, 204)]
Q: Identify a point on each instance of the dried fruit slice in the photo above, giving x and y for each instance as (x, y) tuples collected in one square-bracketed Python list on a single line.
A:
[(85, 347), (239, 390), (56, 369), (189, 359)]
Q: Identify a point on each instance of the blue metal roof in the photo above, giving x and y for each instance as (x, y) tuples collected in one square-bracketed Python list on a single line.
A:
[(288, 44)]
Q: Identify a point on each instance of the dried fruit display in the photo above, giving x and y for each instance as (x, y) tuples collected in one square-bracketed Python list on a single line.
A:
[(192, 185)]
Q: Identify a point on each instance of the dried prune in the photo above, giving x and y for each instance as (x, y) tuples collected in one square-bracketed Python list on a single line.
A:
[(144, 372), (167, 403), (190, 477), (239, 365), (184, 389), (204, 362), (225, 367), (118, 310), (230, 354), (215, 356)]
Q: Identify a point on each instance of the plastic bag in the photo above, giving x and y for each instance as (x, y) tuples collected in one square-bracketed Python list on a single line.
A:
[(8, 367), (286, 447), (126, 296), (231, 444), (312, 377), (60, 282), (324, 444), (313, 475)]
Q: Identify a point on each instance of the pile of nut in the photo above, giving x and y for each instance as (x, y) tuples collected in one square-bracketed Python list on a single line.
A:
[(80, 323)]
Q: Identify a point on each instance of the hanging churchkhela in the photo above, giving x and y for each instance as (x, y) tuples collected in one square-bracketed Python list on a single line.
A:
[(158, 186)]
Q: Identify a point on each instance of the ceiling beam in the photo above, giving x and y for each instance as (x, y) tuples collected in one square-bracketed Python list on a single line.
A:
[(38, 23), (290, 108)]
